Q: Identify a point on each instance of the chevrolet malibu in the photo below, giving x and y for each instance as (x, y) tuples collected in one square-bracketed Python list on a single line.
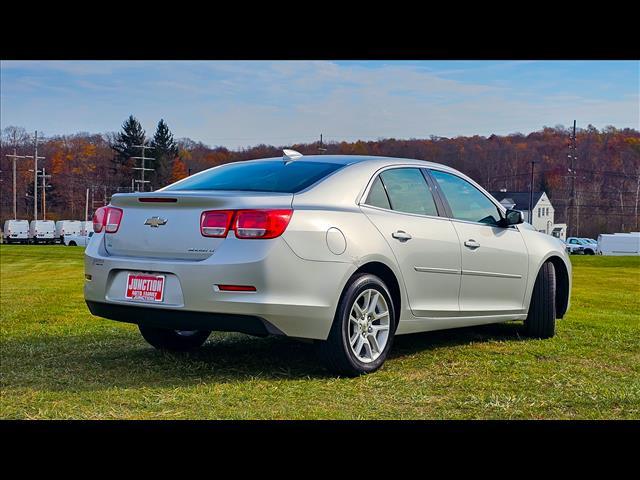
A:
[(347, 251)]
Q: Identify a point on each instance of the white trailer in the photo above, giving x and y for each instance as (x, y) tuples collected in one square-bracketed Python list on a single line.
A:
[(16, 231), (619, 244), (42, 231)]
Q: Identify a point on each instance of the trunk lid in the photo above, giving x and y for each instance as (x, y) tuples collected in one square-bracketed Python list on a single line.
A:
[(179, 237)]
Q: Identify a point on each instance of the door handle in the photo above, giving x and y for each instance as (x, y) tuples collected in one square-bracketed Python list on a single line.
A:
[(401, 235), (471, 243)]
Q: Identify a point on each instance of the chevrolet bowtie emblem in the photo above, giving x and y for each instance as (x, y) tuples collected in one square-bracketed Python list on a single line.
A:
[(155, 222)]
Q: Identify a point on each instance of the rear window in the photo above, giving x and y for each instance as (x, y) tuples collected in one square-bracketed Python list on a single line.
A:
[(263, 176)]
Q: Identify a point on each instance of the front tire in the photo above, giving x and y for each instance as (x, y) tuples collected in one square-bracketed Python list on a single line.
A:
[(541, 320), (174, 340), (363, 328)]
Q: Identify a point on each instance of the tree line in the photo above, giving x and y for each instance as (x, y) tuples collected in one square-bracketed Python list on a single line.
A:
[(607, 171)]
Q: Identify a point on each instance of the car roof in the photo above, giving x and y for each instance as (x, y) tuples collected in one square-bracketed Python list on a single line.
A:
[(351, 159)]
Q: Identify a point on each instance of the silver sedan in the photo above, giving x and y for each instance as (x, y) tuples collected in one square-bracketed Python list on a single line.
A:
[(348, 251)]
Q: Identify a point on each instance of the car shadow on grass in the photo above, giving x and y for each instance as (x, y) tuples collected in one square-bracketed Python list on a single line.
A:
[(85, 363)]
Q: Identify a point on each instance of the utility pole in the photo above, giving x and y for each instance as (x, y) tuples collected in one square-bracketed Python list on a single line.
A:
[(86, 206), (44, 178), (321, 147), (15, 157), (531, 195), (35, 176), (572, 158), (142, 168)]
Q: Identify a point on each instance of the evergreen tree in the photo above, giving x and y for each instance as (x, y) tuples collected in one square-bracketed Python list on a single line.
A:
[(123, 145), (132, 134), (165, 152)]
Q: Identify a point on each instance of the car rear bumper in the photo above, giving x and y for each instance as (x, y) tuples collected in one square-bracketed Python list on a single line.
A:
[(183, 319), (293, 297)]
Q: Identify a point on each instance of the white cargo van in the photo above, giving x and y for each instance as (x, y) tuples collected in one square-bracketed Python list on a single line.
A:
[(42, 231), (67, 227), (619, 244), (16, 231)]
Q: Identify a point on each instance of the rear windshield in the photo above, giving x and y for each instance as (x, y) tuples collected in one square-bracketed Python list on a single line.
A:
[(263, 176)]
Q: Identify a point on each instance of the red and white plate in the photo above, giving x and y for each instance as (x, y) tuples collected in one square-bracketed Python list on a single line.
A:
[(148, 288)]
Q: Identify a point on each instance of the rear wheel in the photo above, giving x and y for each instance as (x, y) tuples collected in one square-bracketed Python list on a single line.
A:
[(363, 328), (72, 244), (541, 320), (174, 340)]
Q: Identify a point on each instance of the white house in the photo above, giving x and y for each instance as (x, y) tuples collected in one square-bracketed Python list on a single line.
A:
[(543, 211)]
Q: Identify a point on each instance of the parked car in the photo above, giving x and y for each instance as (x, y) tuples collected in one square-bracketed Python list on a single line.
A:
[(67, 227), (580, 245), (42, 231), (347, 251), (73, 240), (16, 231)]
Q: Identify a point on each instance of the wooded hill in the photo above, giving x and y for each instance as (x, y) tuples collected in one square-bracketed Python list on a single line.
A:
[(607, 168)]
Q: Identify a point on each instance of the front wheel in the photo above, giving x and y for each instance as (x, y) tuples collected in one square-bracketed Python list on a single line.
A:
[(541, 319), (363, 328), (174, 340)]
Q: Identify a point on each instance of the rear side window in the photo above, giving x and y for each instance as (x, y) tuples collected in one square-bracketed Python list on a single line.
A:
[(260, 176), (377, 196), (466, 201), (408, 191)]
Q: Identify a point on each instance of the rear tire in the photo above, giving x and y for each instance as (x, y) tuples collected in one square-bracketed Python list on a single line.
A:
[(337, 352), (174, 340), (541, 320), (72, 244)]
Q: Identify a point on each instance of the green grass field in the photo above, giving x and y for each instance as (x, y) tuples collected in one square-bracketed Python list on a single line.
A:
[(58, 361)]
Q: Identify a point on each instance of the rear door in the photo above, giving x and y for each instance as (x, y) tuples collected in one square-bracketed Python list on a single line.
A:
[(401, 205), (494, 258)]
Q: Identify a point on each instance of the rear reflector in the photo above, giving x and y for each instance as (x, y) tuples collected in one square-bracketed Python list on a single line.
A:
[(236, 288), (215, 223), (157, 200)]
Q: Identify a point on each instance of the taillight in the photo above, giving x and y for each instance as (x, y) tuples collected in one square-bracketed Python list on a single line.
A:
[(108, 218), (261, 223), (215, 223)]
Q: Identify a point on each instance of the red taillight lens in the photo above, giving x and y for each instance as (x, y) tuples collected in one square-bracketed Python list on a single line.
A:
[(114, 217), (215, 223), (98, 219), (261, 223), (108, 218)]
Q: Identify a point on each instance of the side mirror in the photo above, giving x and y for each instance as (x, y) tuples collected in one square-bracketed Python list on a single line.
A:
[(513, 217)]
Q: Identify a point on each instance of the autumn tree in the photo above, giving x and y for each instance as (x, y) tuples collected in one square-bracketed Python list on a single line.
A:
[(179, 171)]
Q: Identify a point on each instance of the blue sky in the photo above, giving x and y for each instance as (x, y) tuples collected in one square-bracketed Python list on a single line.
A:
[(243, 103)]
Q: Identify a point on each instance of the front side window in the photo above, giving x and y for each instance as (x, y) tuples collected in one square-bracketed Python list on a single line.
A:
[(466, 201), (408, 191)]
